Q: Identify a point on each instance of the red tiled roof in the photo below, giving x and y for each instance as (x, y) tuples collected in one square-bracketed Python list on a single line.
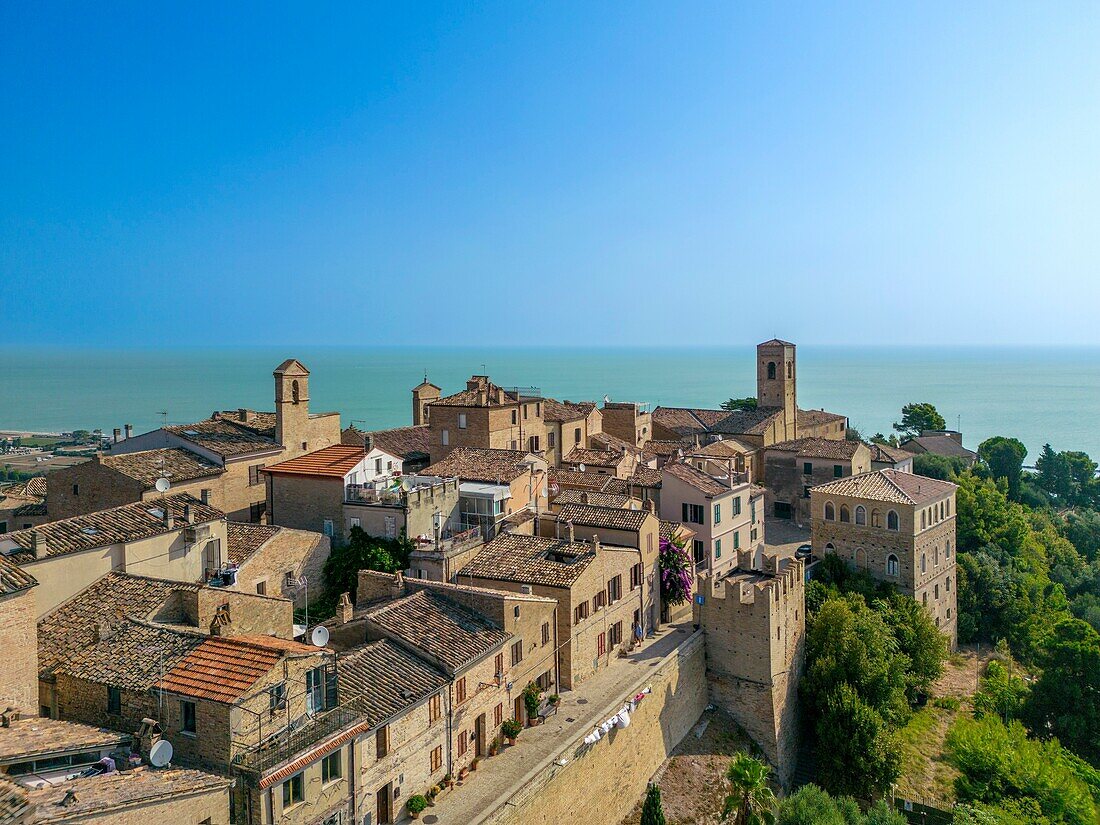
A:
[(333, 462), (224, 669)]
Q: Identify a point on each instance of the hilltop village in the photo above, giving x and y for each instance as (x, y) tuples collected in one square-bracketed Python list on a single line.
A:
[(540, 655)]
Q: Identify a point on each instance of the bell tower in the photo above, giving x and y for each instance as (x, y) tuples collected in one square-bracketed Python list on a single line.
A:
[(423, 395), (776, 375), (291, 404)]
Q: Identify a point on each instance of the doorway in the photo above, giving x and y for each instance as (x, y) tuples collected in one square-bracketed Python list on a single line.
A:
[(479, 736), (383, 805)]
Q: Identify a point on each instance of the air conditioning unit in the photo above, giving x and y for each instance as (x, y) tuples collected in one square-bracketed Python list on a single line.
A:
[(196, 533)]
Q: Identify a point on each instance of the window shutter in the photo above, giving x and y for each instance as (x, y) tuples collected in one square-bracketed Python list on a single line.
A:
[(331, 693)]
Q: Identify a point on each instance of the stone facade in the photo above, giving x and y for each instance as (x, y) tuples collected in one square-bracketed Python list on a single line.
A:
[(410, 512), (19, 664), (788, 482), (755, 625), (631, 422), (776, 385), (285, 558), (491, 418)]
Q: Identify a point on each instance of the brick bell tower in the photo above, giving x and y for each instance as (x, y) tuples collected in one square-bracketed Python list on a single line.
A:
[(291, 404), (776, 377)]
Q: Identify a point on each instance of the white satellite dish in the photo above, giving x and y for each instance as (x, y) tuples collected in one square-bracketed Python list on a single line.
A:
[(319, 637), (163, 485), (160, 754), (580, 467)]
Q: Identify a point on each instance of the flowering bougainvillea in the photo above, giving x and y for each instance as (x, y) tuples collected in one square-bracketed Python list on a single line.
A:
[(677, 571)]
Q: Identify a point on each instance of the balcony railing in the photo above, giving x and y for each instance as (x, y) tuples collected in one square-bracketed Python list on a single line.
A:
[(366, 494), (284, 746)]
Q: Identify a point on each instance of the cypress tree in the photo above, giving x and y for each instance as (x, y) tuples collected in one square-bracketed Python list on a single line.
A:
[(652, 812)]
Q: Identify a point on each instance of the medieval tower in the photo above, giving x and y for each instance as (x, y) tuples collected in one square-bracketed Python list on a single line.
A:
[(776, 378)]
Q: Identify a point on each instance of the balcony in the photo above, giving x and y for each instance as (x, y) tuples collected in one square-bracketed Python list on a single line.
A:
[(368, 494), (285, 745)]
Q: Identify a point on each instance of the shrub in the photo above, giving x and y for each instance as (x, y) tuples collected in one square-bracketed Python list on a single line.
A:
[(653, 812), (510, 729), (531, 695), (417, 803)]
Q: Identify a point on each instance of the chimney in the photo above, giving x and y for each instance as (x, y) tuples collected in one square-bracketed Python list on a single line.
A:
[(482, 397), (572, 538), (118, 434), (397, 589), (345, 609), (596, 543), (647, 505), (169, 522), (242, 414), (221, 621), (129, 430), (38, 544), (584, 497), (188, 515)]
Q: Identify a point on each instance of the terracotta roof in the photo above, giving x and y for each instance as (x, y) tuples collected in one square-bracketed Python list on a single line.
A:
[(664, 449), (223, 669), (403, 442), (611, 518), (14, 807), (224, 437), (819, 448), (381, 679), (130, 522), (291, 366), (674, 529), (131, 654), (473, 397), (330, 462), (725, 448), (73, 626), (602, 458), (938, 445), (558, 412), (246, 539), (816, 417), (32, 488), (38, 736), (889, 485), (702, 482), (259, 422), (480, 464), (574, 478), (688, 420), (747, 422), (613, 443), (590, 497), (886, 453), (37, 508), (531, 560), (14, 578), (174, 463), (645, 477), (776, 342), (95, 796), (445, 630)]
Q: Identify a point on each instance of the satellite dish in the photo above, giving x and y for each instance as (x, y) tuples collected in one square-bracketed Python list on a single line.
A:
[(160, 754), (319, 637), (607, 399), (580, 467), (163, 485)]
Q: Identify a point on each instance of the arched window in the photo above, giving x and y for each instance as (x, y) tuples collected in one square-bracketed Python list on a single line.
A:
[(829, 548), (830, 512), (936, 557), (947, 549), (861, 515), (923, 516), (941, 511), (892, 520), (923, 563), (844, 513), (947, 584), (876, 518), (294, 392), (937, 594), (771, 370), (790, 369), (924, 598), (892, 567)]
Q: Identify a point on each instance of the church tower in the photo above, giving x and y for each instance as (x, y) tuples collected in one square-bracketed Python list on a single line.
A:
[(291, 404), (775, 381), (423, 395)]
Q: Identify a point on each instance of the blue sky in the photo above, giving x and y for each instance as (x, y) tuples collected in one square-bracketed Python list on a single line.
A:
[(590, 174)]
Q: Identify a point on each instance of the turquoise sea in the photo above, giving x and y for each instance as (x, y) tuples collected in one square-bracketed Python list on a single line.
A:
[(1037, 395)]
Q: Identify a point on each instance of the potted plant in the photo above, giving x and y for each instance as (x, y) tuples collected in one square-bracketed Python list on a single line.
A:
[(531, 697), (416, 804), (494, 746), (510, 730), (448, 781), (473, 763), (553, 699)]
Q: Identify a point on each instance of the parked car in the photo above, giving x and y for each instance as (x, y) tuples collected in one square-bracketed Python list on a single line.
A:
[(804, 551)]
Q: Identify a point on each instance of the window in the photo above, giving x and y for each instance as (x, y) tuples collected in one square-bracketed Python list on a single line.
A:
[(577, 436), (891, 565), (636, 576), (580, 612), (517, 652), (293, 791), (807, 468), (923, 563), (261, 588), (499, 665), (534, 442), (187, 717), (354, 521), (892, 520), (923, 517), (315, 690), (737, 540), (924, 598), (114, 700), (327, 528), (445, 437), (524, 412), (288, 580), (382, 741), (550, 441), (771, 370), (736, 504), (947, 584), (838, 470), (546, 633), (437, 758), (76, 489), (463, 743), (460, 690), (599, 600), (434, 708), (698, 551), (544, 681), (330, 767), (937, 591), (717, 548), (462, 421), (936, 556), (514, 419), (515, 611), (498, 715), (717, 513), (861, 515), (276, 698), (615, 589), (947, 550), (256, 511), (844, 513), (692, 513), (615, 634), (254, 476), (601, 644), (830, 511)]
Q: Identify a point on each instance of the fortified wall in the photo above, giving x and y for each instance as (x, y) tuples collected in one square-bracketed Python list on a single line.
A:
[(754, 620)]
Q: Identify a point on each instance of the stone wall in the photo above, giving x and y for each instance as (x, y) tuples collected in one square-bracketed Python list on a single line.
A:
[(298, 552), (19, 665), (599, 784)]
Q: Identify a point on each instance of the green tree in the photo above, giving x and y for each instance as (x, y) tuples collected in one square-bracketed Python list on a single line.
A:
[(879, 438), (750, 800), (1056, 475), (747, 403), (943, 467), (363, 552), (1065, 701), (863, 757), (653, 812), (919, 640), (917, 417), (1005, 459), (1002, 694)]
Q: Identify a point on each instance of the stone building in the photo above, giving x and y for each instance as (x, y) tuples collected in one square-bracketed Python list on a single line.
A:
[(23, 504), (630, 421), (726, 514), (176, 537), (399, 450), (483, 416), (791, 468), (940, 442), (241, 442), (18, 613), (269, 560), (900, 528), (885, 457), (754, 616), (568, 425)]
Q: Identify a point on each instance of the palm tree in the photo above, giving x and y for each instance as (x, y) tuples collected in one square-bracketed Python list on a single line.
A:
[(750, 801)]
